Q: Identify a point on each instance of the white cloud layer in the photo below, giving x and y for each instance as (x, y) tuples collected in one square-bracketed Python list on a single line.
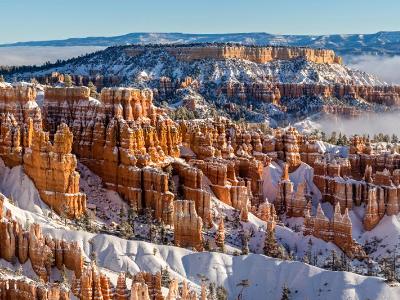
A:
[(17, 56), (384, 67), (371, 123)]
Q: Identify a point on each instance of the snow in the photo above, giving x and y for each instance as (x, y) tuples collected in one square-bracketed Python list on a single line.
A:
[(273, 173), (266, 275), (15, 183), (335, 150)]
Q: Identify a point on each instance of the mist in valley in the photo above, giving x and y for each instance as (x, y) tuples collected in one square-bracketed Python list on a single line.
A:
[(384, 67), (368, 123), (18, 56)]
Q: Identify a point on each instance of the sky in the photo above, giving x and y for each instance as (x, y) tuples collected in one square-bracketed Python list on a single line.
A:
[(27, 20)]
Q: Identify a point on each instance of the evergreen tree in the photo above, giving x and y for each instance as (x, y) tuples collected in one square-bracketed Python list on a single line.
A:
[(68, 80), (126, 230), (333, 139), (163, 234), (309, 250), (207, 245), (165, 277), (285, 292), (245, 244), (395, 139), (121, 214), (93, 90), (132, 215), (271, 247), (211, 291), (222, 294)]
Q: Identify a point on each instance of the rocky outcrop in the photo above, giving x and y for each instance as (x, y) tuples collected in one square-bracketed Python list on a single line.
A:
[(93, 284), (337, 230), (378, 190), (191, 180), (42, 251), (19, 100), (273, 92), (25, 289), (187, 225), (51, 166), (266, 212), (52, 169), (258, 54), (116, 138)]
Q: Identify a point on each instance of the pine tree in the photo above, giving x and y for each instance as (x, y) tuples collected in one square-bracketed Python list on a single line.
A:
[(211, 291), (285, 292), (395, 139), (132, 215), (93, 90), (121, 214), (245, 244), (163, 234), (68, 80), (165, 277), (222, 294), (126, 230), (207, 245), (309, 250), (271, 247)]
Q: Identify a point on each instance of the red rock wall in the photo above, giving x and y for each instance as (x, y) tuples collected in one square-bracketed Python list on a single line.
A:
[(256, 54)]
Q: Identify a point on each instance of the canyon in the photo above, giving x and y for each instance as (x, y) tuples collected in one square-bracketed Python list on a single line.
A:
[(206, 184)]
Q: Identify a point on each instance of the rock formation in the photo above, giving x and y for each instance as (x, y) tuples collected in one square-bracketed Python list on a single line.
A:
[(337, 230), (52, 169), (377, 189), (258, 54), (116, 138), (187, 225), (25, 289), (42, 251)]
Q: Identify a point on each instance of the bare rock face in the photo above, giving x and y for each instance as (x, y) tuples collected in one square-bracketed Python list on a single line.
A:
[(191, 179), (273, 92), (297, 204), (258, 54), (116, 138), (52, 169), (371, 217), (19, 101), (187, 225), (50, 166), (21, 289), (42, 251), (8, 244), (377, 189), (153, 283), (266, 212), (39, 253), (121, 291), (337, 230)]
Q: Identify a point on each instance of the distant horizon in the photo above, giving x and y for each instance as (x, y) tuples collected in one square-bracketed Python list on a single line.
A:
[(26, 20), (196, 33)]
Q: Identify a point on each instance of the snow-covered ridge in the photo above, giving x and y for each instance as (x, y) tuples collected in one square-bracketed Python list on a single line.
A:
[(380, 42), (154, 63)]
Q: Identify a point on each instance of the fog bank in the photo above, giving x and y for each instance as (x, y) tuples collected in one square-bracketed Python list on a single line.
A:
[(384, 67), (371, 123), (17, 56)]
